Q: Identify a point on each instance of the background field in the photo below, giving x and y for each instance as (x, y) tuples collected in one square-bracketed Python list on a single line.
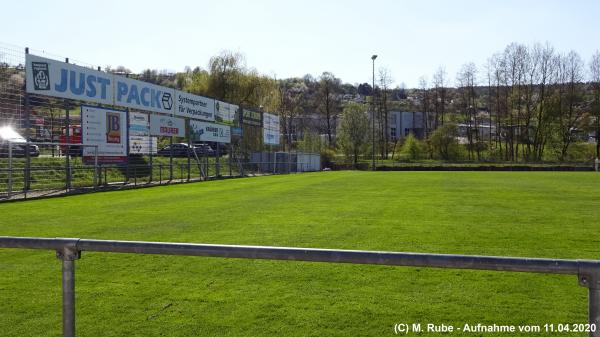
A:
[(537, 214)]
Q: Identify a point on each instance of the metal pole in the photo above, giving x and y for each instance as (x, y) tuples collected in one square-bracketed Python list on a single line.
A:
[(594, 311), (96, 167), (373, 112), (68, 297), (69, 140), (10, 169)]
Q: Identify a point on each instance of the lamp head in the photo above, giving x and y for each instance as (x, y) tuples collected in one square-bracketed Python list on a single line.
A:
[(373, 57)]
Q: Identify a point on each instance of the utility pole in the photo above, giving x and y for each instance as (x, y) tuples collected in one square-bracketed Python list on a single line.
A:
[(373, 112)]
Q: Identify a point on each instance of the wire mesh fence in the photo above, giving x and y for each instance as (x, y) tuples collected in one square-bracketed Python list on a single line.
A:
[(42, 150)]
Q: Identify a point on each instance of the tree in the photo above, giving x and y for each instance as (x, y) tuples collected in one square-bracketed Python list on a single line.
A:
[(385, 80), (439, 83), (466, 78), (353, 133), (443, 141), (411, 147), (328, 101)]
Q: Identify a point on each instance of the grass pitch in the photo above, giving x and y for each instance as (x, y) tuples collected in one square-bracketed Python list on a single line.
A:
[(534, 214)]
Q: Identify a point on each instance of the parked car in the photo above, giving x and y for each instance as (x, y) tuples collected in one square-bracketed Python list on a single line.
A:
[(18, 144), (179, 150), (209, 149)]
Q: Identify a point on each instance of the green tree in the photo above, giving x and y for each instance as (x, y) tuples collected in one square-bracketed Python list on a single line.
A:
[(443, 141), (411, 148), (353, 133)]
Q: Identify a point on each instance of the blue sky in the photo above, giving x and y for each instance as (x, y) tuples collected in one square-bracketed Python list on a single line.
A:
[(293, 38)]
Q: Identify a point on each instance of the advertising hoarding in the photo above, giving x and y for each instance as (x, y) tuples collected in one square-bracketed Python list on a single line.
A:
[(107, 129), (59, 79), (167, 126), (209, 132), (250, 117), (140, 141), (270, 129), (226, 113), (194, 106)]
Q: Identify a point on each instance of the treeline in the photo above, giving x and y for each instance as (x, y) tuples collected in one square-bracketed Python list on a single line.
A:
[(539, 102)]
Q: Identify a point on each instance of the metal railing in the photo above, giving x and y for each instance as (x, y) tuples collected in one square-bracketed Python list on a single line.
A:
[(69, 250)]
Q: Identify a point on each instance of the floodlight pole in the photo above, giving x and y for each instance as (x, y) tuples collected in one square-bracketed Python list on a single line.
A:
[(373, 113)]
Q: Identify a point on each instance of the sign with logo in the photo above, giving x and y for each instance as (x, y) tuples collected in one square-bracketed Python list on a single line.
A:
[(226, 113), (106, 128), (167, 126), (59, 79), (209, 132), (143, 96), (270, 129), (194, 106), (140, 141), (250, 117)]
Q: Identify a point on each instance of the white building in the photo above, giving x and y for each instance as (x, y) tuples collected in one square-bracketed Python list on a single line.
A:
[(401, 123)]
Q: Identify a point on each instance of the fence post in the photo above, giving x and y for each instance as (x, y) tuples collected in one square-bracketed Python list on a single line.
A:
[(590, 278), (10, 170), (95, 167), (68, 255)]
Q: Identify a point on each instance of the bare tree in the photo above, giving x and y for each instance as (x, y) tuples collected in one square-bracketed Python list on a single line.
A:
[(385, 80), (439, 85), (424, 99), (570, 75), (466, 80), (328, 102)]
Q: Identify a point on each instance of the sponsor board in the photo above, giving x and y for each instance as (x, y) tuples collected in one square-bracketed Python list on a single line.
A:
[(142, 145), (60, 79), (270, 129), (226, 113), (167, 126), (209, 132), (140, 141), (107, 129), (194, 106), (250, 117)]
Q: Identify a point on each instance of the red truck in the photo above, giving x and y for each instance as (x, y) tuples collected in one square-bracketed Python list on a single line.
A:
[(73, 138)]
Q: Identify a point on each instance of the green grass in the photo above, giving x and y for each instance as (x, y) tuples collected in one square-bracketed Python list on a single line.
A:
[(535, 214)]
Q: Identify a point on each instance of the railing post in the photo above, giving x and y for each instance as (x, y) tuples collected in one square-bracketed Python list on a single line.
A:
[(68, 255), (590, 278)]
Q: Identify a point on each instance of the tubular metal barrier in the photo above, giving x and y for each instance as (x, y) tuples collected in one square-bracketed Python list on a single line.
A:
[(68, 250)]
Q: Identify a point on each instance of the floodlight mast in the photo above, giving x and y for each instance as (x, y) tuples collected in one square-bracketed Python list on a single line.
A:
[(373, 114)]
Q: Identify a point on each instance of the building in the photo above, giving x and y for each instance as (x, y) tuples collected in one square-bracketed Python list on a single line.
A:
[(402, 123)]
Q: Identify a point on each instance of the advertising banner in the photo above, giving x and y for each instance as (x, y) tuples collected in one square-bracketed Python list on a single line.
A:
[(194, 106), (250, 117), (106, 128), (140, 141), (167, 126), (270, 129), (226, 113), (209, 132), (142, 95), (60, 79)]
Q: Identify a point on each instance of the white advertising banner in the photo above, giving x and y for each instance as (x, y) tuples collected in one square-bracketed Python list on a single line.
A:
[(226, 113), (142, 95), (194, 106), (106, 128), (270, 137), (210, 132), (60, 79), (167, 126), (270, 129), (140, 141)]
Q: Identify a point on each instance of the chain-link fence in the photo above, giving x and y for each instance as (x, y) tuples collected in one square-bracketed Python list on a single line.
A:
[(42, 151)]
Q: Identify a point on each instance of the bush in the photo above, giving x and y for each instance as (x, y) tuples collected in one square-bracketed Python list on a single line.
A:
[(327, 158), (443, 142), (412, 149)]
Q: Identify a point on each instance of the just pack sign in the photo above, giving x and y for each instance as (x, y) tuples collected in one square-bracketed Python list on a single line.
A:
[(59, 79)]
